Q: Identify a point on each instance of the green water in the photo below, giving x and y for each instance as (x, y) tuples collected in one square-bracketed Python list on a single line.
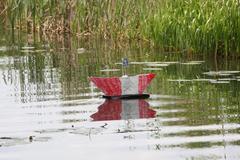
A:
[(45, 93)]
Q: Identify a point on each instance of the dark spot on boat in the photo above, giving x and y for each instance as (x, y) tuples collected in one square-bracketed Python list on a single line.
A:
[(72, 126)]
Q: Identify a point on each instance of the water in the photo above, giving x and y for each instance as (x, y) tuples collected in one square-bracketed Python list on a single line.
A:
[(50, 110)]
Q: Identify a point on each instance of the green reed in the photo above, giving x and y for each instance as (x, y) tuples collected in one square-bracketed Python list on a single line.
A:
[(190, 25), (197, 26), (108, 18)]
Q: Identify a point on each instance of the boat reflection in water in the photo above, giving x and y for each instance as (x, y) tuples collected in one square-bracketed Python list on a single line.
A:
[(123, 109)]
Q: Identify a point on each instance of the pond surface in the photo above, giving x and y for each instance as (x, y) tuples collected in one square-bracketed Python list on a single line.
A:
[(50, 110)]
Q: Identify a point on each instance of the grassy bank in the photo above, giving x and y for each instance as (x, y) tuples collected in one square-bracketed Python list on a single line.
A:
[(174, 25)]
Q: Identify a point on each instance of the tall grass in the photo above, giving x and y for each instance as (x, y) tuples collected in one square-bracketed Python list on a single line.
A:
[(194, 25), (197, 26), (108, 18)]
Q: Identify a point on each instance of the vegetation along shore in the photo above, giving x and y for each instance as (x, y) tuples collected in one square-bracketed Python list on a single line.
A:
[(195, 26)]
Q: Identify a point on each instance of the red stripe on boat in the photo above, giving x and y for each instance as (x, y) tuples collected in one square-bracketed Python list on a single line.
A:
[(109, 86), (144, 81), (117, 86)]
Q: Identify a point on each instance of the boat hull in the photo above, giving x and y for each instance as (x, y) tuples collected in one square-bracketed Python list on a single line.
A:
[(128, 96)]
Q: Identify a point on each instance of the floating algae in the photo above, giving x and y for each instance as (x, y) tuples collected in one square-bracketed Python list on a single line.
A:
[(40, 50), (229, 72), (139, 63), (179, 80), (157, 64), (7, 48), (28, 47), (109, 70), (152, 69), (222, 80), (33, 51), (227, 79), (203, 80), (193, 63), (158, 96), (170, 62), (219, 82), (27, 51), (221, 73)]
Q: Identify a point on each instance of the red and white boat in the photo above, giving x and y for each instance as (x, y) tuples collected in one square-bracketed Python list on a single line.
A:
[(125, 87)]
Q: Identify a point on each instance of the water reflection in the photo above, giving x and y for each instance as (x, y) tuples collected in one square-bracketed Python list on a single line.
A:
[(123, 109), (46, 90)]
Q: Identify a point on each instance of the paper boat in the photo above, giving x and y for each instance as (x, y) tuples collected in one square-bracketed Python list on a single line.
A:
[(128, 87)]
